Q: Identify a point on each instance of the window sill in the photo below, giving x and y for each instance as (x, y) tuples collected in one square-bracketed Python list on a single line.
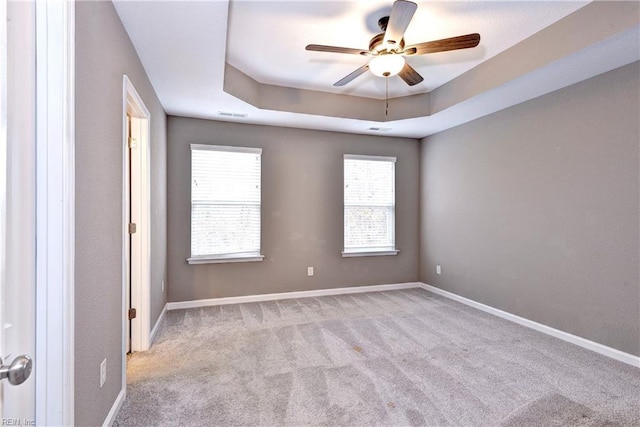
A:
[(350, 254), (225, 259)]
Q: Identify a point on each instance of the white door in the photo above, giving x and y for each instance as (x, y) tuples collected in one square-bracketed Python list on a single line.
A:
[(17, 205), (133, 241), (128, 238)]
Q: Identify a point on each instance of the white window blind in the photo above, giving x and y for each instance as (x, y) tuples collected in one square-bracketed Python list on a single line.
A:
[(225, 201), (369, 203)]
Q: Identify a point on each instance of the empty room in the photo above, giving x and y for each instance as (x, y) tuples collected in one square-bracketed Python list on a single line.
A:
[(353, 213)]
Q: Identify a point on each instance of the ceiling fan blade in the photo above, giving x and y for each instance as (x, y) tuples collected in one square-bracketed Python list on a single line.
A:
[(409, 75), (401, 15), (343, 81), (453, 43), (337, 49)]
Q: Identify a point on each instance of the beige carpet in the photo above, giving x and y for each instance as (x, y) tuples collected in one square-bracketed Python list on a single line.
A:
[(405, 357)]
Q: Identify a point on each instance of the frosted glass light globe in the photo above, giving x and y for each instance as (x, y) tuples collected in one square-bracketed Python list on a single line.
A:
[(386, 65)]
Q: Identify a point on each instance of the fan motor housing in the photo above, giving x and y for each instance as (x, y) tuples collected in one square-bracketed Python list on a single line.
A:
[(376, 45)]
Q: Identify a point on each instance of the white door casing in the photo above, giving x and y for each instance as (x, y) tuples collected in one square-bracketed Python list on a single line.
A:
[(55, 217), (140, 261)]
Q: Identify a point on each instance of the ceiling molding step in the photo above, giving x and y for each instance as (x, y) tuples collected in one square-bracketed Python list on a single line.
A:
[(238, 84), (585, 27), (303, 101), (528, 49), (280, 98), (407, 107)]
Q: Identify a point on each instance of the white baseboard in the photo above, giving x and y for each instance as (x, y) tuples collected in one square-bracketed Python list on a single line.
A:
[(113, 413), (565, 336), (289, 295), (157, 326)]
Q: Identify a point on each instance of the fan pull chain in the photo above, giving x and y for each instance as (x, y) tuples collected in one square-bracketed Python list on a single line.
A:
[(386, 108)]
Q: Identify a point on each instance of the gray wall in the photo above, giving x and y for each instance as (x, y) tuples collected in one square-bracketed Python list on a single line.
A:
[(534, 210), (103, 54), (302, 212)]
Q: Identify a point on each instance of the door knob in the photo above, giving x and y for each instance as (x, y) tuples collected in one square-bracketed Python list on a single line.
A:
[(18, 371)]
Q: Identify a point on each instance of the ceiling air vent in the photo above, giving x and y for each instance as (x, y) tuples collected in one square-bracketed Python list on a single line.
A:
[(230, 114), (376, 129)]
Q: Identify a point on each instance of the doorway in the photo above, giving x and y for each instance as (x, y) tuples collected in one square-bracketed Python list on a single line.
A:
[(132, 208), (136, 223)]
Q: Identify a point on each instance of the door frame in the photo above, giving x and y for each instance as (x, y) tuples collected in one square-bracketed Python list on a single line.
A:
[(133, 106), (55, 216)]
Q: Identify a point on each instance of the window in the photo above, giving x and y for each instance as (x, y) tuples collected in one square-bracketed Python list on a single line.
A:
[(225, 204), (369, 205)]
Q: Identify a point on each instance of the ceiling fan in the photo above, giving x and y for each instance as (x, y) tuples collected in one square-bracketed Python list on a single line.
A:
[(388, 50)]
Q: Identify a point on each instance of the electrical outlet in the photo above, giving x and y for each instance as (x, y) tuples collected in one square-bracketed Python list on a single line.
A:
[(438, 269), (103, 372), (309, 271), (163, 286)]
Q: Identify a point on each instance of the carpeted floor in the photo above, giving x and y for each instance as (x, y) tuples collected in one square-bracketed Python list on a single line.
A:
[(405, 357)]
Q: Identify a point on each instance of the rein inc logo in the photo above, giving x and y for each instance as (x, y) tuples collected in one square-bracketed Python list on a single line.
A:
[(17, 422)]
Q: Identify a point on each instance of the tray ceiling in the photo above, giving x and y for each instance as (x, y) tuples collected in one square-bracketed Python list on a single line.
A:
[(266, 39), (528, 48)]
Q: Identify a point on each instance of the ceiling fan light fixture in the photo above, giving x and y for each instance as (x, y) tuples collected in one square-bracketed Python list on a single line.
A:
[(386, 65), (388, 47)]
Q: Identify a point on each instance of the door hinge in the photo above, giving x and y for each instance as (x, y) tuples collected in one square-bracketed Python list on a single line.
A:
[(132, 313), (132, 142), (132, 227)]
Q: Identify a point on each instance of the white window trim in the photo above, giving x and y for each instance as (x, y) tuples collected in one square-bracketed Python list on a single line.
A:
[(366, 252), (219, 259), (227, 258), (365, 157), (227, 148), (353, 254)]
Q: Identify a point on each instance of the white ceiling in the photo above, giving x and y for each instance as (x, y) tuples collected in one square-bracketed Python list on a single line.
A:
[(184, 45), (267, 39)]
